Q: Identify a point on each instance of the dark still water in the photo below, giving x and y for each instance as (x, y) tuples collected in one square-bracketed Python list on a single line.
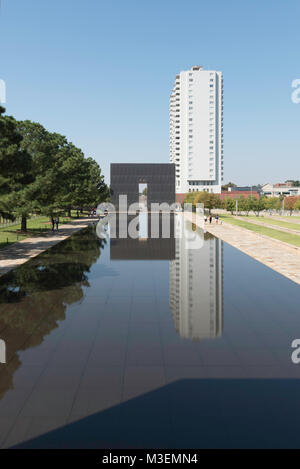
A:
[(157, 343)]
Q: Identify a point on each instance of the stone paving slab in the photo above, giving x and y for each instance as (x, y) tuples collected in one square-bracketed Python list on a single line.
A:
[(18, 253), (279, 256)]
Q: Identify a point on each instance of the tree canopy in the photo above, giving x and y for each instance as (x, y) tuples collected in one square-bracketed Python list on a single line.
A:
[(42, 172), (244, 204), (15, 167)]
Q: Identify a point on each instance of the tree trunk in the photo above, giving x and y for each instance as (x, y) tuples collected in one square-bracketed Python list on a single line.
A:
[(24, 223), (69, 212)]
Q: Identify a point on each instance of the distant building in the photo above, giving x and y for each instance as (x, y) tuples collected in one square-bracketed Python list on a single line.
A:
[(245, 189), (280, 189), (238, 191), (237, 194), (196, 131)]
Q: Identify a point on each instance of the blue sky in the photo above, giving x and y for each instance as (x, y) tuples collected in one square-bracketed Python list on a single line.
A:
[(100, 72)]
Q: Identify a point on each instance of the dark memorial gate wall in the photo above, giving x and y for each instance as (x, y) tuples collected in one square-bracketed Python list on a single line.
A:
[(125, 179)]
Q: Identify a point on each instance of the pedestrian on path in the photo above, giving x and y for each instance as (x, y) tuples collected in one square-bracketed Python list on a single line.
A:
[(210, 218), (217, 218), (205, 218), (52, 221), (57, 222)]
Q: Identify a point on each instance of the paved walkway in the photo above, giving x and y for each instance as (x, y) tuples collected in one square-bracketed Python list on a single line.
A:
[(279, 256), (19, 253)]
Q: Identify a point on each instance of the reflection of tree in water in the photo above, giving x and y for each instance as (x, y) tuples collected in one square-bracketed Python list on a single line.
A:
[(34, 297)]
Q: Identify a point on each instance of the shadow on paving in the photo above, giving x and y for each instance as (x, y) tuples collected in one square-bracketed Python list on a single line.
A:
[(216, 413)]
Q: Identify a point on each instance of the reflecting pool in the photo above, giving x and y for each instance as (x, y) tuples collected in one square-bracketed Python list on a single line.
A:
[(179, 342)]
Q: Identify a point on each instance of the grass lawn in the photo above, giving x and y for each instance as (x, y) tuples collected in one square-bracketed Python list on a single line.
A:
[(271, 221), (35, 226), (276, 234), (291, 218)]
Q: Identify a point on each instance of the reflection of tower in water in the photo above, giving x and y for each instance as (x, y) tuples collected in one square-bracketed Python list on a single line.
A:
[(196, 285)]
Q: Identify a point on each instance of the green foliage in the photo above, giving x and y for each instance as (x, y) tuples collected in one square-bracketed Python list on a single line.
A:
[(297, 204), (273, 203), (258, 205), (209, 199), (226, 186), (15, 169), (41, 172), (294, 183), (229, 204), (245, 204)]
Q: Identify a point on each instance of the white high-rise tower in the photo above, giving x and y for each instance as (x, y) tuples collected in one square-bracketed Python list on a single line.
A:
[(196, 284), (196, 130)]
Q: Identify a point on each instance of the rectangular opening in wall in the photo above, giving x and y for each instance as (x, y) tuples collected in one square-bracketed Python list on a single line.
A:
[(143, 190)]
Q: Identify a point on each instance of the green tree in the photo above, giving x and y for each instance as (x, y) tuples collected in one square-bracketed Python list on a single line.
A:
[(297, 204), (15, 170), (226, 186), (258, 205), (229, 204), (241, 203), (63, 177), (293, 183), (85, 187), (47, 151), (272, 203), (189, 198), (247, 205), (96, 190), (209, 200)]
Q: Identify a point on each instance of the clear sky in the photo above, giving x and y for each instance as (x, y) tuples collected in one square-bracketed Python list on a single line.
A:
[(100, 72)]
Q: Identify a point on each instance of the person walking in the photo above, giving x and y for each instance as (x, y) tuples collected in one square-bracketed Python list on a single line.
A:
[(217, 218), (205, 218), (52, 221), (210, 218), (57, 222)]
